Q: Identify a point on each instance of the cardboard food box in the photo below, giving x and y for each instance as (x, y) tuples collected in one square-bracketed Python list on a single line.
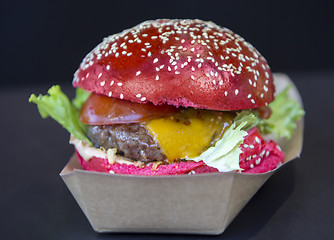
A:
[(195, 204)]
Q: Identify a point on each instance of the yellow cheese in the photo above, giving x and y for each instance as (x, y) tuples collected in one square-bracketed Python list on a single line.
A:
[(189, 133)]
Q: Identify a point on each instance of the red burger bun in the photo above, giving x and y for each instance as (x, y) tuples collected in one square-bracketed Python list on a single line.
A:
[(102, 165), (189, 63), (258, 156)]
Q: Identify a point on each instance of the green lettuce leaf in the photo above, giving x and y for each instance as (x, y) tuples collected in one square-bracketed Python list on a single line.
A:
[(57, 106), (282, 122), (285, 113), (80, 98)]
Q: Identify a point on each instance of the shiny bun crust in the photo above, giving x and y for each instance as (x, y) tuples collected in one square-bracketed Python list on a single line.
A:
[(190, 63)]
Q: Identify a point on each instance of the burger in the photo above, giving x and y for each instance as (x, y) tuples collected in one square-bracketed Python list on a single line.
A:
[(174, 97)]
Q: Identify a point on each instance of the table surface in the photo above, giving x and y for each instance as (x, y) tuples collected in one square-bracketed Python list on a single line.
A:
[(295, 203)]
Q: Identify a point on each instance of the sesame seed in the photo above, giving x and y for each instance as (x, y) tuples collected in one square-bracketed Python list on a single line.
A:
[(112, 83), (253, 101), (121, 96), (249, 96), (138, 95), (110, 94), (100, 74), (177, 72), (108, 67), (138, 73), (157, 78), (192, 77), (266, 74), (225, 93), (236, 91), (251, 146), (155, 60), (143, 99), (120, 84), (103, 83), (257, 140)]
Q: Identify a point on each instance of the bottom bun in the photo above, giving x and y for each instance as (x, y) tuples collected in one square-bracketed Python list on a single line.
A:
[(258, 156), (103, 165)]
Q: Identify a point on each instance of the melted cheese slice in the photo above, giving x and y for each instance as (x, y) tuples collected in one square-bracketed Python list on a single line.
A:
[(189, 133)]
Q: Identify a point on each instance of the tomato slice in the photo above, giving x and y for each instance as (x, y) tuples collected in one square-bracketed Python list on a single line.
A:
[(103, 110), (264, 112)]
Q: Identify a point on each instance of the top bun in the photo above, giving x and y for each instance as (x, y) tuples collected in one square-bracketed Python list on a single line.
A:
[(189, 63)]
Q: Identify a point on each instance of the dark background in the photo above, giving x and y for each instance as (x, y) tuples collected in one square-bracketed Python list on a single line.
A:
[(44, 41)]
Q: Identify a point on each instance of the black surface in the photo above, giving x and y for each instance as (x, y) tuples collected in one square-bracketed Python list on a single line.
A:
[(296, 203), (48, 39)]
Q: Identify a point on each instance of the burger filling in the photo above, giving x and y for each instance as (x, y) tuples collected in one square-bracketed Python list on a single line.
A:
[(147, 133), (167, 139)]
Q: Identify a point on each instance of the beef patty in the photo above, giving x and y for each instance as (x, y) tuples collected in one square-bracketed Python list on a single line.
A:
[(131, 140)]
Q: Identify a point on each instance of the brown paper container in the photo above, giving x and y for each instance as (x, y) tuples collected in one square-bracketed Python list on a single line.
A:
[(196, 204)]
